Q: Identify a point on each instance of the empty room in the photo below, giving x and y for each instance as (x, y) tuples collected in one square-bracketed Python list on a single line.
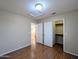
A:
[(38, 29)]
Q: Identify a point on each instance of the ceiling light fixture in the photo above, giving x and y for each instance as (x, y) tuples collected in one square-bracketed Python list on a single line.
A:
[(39, 6)]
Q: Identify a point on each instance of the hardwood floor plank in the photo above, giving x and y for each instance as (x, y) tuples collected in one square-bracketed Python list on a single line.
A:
[(40, 52)]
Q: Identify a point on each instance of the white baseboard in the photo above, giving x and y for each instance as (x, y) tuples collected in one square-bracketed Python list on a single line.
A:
[(71, 53), (14, 50)]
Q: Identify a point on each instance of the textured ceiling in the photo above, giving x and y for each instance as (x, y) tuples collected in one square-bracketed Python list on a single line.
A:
[(26, 7)]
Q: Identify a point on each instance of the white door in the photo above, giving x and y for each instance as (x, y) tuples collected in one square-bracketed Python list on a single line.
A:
[(39, 33), (48, 34)]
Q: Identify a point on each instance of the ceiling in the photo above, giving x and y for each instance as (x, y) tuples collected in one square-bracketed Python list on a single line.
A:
[(26, 7)]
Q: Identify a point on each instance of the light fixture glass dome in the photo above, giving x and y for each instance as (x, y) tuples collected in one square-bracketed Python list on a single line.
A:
[(39, 6)]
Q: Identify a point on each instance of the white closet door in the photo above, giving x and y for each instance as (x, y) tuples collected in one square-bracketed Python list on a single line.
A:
[(39, 33), (48, 31)]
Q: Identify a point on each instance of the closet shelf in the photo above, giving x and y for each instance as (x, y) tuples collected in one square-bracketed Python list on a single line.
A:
[(59, 34), (59, 24)]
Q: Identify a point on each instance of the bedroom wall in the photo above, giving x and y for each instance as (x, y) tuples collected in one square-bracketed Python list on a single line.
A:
[(15, 32)]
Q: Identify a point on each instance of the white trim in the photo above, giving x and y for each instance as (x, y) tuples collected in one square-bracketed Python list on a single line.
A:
[(71, 53), (13, 50)]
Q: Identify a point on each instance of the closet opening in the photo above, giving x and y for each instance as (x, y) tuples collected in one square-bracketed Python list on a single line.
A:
[(59, 32)]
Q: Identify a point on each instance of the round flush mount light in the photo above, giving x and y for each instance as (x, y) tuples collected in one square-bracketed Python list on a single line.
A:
[(39, 6)]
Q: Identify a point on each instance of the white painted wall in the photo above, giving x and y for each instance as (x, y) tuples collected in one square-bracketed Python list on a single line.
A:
[(14, 32), (70, 30), (71, 33)]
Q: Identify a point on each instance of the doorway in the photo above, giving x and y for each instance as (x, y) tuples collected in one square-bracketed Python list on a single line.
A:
[(59, 32), (33, 34)]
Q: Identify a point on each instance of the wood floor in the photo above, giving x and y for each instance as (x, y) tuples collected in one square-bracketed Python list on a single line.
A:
[(40, 52)]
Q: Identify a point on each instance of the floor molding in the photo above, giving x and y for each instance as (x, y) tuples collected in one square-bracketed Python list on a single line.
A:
[(71, 53)]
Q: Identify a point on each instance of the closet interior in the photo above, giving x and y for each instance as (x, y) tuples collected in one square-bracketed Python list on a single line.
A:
[(59, 31)]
